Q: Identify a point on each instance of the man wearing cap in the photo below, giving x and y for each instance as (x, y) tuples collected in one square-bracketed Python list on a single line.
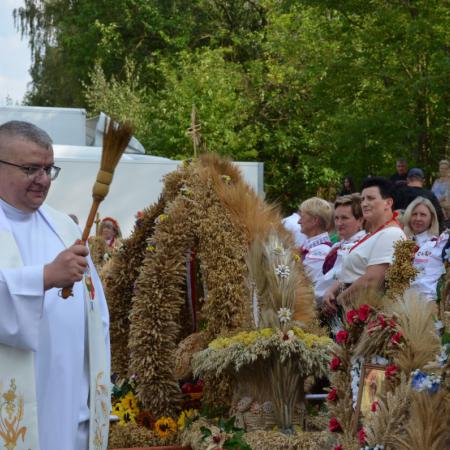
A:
[(404, 195)]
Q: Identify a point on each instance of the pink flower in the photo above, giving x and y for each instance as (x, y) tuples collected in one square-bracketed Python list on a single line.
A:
[(334, 425), (332, 395), (341, 337), (396, 338), (374, 406), (362, 435), (352, 316), (335, 363), (363, 312), (391, 370), (392, 323)]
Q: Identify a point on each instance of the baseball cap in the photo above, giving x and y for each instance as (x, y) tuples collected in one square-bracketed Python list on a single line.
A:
[(416, 172)]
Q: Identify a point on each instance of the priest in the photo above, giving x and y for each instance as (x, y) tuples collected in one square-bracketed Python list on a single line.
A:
[(54, 353)]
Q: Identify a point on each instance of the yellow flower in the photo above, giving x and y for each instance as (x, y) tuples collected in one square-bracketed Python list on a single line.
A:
[(129, 403), (118, 409), (187, 414), (311, 339), (125, 416), (246, 338), (165, 426)]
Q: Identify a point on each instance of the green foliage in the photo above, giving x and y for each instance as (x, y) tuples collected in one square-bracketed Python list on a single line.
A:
[(316, 89)]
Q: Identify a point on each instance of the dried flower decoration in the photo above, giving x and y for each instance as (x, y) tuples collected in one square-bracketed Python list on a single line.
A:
[(282, 271), (391, 371), (334, 426), (226, 179), (161, 218), (421, 381), (284, 315), (443, 356), (185, 191)]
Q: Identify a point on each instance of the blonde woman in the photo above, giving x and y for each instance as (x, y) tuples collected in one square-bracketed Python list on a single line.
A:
[(421, 225), (316, 215)]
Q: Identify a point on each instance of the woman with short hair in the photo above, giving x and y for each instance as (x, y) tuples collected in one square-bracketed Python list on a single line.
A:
[(348, 222), (421, 225), (315, 219), (367, 261)]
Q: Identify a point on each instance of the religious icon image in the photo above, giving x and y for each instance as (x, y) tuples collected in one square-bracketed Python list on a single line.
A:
[(371, 381)]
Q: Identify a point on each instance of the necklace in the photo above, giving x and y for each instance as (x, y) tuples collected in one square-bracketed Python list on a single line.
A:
[(369, 235)]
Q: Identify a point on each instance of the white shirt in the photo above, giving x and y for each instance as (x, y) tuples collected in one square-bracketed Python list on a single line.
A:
[(377, 249), (291, 224), (429, 264), (314, 252), (50, 326), (343, 247)]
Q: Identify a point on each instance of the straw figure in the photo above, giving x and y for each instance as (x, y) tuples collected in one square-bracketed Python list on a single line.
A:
[(186, 270)]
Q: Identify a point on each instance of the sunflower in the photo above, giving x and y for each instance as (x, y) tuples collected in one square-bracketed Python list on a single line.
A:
[(186, 417), (130, 403), (123, 414), (165, 426), (145, 419)]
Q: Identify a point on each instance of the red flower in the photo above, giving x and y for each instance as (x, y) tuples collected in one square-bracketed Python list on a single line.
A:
[(334, 425), (335, 363), (362, 435), (332, 395), (392, 323), (396, 338), (371, 326), (374, 406), (339, 447), (363, 312), (341, 337), (391, 370), (352, 316), (382, 321)]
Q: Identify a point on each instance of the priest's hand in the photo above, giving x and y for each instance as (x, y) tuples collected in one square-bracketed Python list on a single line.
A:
[(67, 268)]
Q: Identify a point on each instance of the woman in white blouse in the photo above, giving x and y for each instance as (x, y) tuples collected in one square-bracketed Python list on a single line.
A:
[(421, 225), (367, 261), (348, 220)]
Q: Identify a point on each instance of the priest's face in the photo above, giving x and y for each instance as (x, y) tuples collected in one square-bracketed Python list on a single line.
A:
[(20, 189)]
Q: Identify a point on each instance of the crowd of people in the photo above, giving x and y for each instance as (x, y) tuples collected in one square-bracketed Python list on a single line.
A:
[(55, 352), (367, 226)]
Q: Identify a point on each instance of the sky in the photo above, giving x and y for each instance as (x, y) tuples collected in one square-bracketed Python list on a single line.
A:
[(15, 59)]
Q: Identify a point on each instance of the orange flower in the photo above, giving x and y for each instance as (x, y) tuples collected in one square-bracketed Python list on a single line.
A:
[(165, 426)]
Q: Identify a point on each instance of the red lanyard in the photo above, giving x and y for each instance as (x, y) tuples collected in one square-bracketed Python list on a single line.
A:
[(367, 236)]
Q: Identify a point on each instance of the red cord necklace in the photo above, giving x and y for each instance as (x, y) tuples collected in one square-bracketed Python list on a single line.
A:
[(367, 236)]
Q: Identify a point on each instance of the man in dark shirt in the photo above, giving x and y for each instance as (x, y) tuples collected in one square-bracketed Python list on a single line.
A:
[(399, 178), (404, 195)]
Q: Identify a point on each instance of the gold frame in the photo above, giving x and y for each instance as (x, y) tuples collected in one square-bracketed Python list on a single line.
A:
[(363, 405)]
